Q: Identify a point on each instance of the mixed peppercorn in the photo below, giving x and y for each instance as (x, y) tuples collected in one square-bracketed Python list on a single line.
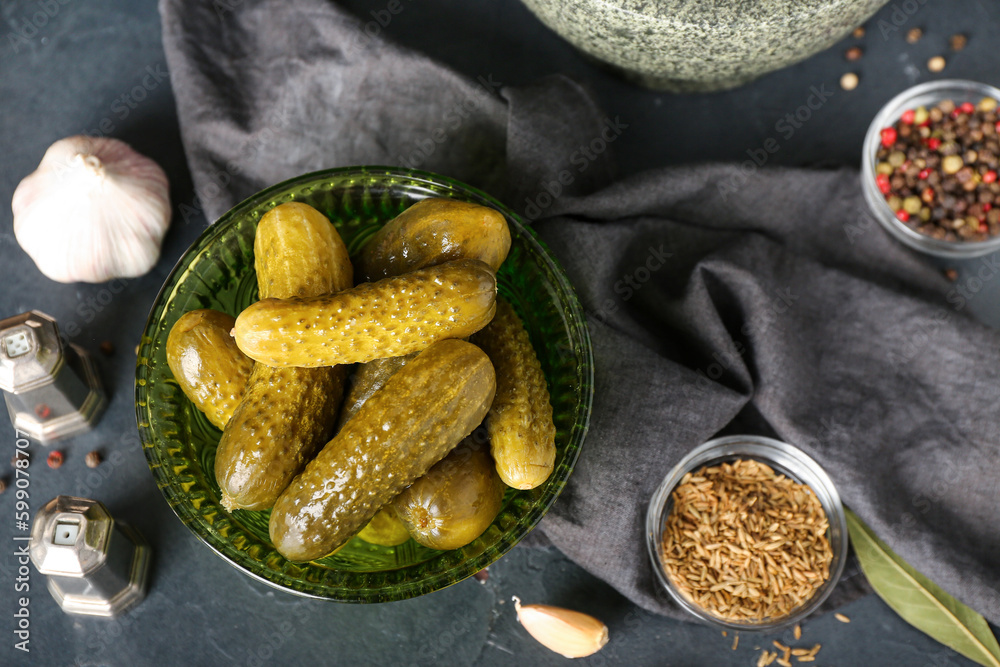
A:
[(937, 168)]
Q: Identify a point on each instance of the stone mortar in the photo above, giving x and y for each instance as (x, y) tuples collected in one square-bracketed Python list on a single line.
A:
[(701, 45)]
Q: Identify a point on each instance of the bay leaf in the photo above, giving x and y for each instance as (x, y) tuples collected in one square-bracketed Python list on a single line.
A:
[(919, 601)]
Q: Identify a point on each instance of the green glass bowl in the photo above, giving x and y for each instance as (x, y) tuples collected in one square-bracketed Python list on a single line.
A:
[(217, 272)]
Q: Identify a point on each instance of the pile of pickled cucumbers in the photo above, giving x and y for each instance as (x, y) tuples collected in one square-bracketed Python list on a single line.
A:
[(350, 396)]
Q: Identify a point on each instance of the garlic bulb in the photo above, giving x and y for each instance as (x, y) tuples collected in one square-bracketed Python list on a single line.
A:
[(569, 633), (93, 210)]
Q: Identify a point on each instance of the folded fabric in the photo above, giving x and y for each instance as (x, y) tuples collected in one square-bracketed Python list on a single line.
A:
[(718, 302)]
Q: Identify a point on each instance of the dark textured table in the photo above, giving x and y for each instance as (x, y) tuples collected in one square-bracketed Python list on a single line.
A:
[(98, 67)]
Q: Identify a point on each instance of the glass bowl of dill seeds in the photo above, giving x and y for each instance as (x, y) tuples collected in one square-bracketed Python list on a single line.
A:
[(747, 533)]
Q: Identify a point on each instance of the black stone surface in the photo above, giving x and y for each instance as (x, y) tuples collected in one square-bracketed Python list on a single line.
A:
[(83, 67)]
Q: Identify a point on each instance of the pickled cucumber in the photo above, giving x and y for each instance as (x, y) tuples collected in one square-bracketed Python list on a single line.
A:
[(286, 413), (385, 529), (522, 433), (433, 231), (298, 252), (369, 378), (455, 501), (421, 413), (208, 367), (389, 318)]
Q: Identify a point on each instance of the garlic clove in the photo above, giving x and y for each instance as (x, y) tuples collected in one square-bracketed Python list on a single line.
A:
[(570, 633), (94, 210)]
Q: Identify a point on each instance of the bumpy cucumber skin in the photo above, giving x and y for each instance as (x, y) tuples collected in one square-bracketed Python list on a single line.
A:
[(369, 378), (430, 232), (522, 433), (298, 252), (286, 413), (433, 231), (385, 528), (285, 416), (455, 501), (421, 413), (208, 367), (390, 318)]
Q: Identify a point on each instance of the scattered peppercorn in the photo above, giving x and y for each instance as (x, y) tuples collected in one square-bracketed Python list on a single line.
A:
[(936, 64), (937, 168), (107, 348), (54, 459), (3, 485), (958, 42), (913, 35), (951, 274), (93, 459), (859, 32), (853, 53), (849, 81), (23, 455), (482, 576)]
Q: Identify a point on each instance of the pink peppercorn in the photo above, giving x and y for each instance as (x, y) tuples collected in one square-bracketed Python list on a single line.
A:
[(888, 136)]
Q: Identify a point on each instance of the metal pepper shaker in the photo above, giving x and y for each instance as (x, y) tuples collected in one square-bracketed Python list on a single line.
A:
[(95, 565), (51, 388)]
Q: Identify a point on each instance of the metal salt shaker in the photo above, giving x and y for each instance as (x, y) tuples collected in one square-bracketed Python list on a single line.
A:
[(51, 388), (95, 565)]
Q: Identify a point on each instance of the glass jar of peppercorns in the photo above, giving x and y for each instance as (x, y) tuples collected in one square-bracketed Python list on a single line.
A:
[(930, 168)]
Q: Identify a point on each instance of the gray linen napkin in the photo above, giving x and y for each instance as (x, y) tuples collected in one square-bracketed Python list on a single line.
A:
[(774, 305)]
